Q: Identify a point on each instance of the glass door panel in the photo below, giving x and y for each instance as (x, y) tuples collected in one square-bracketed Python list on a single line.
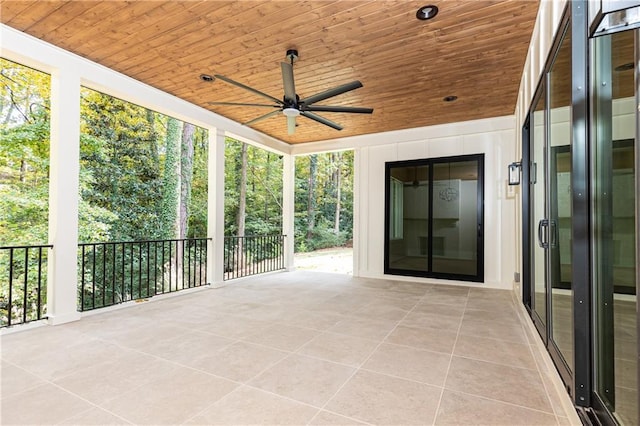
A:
[(537, 206), (614, 218), (409, 218), (560, 199), (455, 217)]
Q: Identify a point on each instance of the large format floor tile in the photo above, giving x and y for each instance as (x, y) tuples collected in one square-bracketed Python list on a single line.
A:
[(309, 380), (290, 348), (380, 399)]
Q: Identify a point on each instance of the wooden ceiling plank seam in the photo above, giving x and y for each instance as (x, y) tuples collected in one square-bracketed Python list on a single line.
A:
[(58, 18), (32, 15), (141, 37), (12, 10)]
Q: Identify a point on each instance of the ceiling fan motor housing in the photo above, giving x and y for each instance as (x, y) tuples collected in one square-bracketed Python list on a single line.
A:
[(292, 55)]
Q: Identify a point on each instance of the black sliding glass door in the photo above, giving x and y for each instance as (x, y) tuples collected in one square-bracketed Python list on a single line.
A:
[(614, 213), (434, 218)]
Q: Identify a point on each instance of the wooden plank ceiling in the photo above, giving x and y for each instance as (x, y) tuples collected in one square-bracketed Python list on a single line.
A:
[(474, 50)]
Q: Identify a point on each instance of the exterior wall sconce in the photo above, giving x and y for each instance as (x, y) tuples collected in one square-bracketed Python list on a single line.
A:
[(514, 173), (611, 16)]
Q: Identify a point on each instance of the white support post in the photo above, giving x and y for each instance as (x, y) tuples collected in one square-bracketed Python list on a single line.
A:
[(215, 205), (288, 209), (357, 187), (64, 181)]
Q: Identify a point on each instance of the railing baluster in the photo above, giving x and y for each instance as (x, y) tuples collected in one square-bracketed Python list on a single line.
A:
[(113, 274), (104, 274), (148, 267), (124, 289), (93, 278), (39, 302), (10, 287), (26, 285), (82, 281)]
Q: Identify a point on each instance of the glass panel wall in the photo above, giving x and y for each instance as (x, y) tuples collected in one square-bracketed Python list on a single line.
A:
[(434, 218), (560, 198), (614, 218)]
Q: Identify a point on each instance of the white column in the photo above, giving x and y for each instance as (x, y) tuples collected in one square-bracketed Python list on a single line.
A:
[(357, 196), (288, 208), (215, 205), (64, 176)]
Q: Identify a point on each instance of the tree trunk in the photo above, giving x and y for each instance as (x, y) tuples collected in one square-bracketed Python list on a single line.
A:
[(242, 205), (170, 187), (23, 170), (267, 177), (153, 135), (311, 199), (186, 177)]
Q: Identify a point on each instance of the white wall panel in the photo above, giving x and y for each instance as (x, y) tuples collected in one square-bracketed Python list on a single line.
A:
[(496, 140)]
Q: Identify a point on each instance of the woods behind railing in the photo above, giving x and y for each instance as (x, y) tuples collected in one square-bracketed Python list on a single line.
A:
[(251, 255), (117, 272), (23, 283)]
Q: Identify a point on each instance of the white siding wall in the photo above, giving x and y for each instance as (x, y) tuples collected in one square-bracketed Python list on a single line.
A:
[(495, 138)]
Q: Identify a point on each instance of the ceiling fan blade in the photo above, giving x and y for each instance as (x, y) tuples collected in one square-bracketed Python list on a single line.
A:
[(262, 117), (250, 89), (287, 82), (291, 125), (321, 120), (243, 104), (323, 108), (332, 92)]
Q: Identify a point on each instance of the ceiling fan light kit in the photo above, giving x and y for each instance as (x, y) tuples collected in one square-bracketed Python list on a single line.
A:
[(291, 105)]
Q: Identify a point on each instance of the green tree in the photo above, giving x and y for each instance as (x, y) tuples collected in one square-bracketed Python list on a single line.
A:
[(170, 181), (24, 154)]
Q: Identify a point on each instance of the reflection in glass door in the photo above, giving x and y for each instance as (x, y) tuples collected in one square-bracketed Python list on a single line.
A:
[(615, 105), (537, 206), (550, 200), (560, 200), (434, 218)]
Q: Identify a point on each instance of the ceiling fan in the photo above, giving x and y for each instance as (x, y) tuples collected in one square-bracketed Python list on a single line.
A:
[(291, 105)]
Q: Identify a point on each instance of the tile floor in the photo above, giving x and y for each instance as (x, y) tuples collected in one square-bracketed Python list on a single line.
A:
[(288, 348)]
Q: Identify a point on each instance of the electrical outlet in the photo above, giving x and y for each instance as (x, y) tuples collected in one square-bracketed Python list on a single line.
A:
[(516, 277)]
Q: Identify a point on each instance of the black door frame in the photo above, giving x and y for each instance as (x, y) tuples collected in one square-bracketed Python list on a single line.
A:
[(581, 387), (388, 270)]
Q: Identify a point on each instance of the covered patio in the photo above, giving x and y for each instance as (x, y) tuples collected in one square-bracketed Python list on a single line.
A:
[(296, 347), (288, 348)]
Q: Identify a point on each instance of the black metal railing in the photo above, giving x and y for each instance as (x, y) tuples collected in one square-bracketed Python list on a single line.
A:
[(251, 255), (23, 284), (117, 272)]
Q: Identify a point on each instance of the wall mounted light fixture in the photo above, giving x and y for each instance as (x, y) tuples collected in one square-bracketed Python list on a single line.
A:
[(514, 173)]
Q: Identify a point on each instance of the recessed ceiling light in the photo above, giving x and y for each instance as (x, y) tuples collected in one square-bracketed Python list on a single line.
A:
[(427, 12), (207, 78), (450, 98), (625, 67)]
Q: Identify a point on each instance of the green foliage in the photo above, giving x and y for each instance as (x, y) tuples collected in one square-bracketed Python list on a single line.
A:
[(198, 207), (24, 154), (170, 178), (330, 171), (264, 190)]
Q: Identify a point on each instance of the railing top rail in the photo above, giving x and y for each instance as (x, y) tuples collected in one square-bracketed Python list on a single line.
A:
[(255, 236), (27, 246), (144, 241)]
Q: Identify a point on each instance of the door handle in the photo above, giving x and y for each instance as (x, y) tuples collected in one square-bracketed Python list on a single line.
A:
[(553, 232), (544, 223)]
